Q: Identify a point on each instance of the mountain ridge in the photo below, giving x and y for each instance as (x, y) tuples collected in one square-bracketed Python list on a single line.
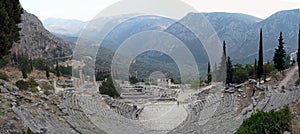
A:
[(36, 41), (240, 31)]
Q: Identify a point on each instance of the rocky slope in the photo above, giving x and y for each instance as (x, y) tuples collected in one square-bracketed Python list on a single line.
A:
[(36, 41)]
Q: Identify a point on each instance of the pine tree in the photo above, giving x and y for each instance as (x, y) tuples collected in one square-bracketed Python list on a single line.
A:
[(209, 75), (279, 55), (10, 14), (298, 53), (229, 72), (260, 67)]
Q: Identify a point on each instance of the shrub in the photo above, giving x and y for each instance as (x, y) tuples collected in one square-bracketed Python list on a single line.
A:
[(108, 88), (133, 80), (22, 85), (274, 72), (46, 86), (3, 76), (25, 85), (32, 83), (267, 122), (195, 84), (297, 83), (4, 61), (34, 90), (47, 92)]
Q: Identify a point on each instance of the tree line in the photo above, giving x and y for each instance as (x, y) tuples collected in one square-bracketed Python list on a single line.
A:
[(239, 73), (26, 65)]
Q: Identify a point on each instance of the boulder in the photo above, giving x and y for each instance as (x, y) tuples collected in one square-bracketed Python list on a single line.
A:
[(3, 89), (252, 81), (15, 88)]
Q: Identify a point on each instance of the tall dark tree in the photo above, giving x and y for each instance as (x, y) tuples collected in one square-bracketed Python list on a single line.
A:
[(31, 64), (57, 70), (279, 55), (10, 14), (298, 53), (229, 72), (260, 66), (209, 75), (24, 65), (221, 73), (224, 48), (255, 68), (47, 71)]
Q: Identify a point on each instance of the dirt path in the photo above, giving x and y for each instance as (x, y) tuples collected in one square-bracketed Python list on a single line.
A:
[(290, 76)]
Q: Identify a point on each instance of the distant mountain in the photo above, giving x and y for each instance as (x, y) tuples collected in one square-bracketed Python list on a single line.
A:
[(36, 41), (64, 26), (241, 32), (283, 21), (133, 26)]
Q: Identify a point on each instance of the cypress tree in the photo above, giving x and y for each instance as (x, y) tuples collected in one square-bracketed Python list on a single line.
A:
[(221, 75), (279, 55), (209, 75), (229, 72), (31, 64), (24, 65), (255, 68), (47, 71), (260, 67), (224, 49), (214, 73), (298, 53), (57, 70)]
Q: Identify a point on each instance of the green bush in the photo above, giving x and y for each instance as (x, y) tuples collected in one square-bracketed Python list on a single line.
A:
[(267, 122), (108, 88), (133, 80), (22, 85), (25, 85), (195, 84), (46, 86), (297, 83), (32, 83), (274, 72), (34, 90), (4, 61), (3, 76)]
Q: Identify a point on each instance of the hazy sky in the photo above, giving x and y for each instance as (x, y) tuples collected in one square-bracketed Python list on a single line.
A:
[(87, 9)]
